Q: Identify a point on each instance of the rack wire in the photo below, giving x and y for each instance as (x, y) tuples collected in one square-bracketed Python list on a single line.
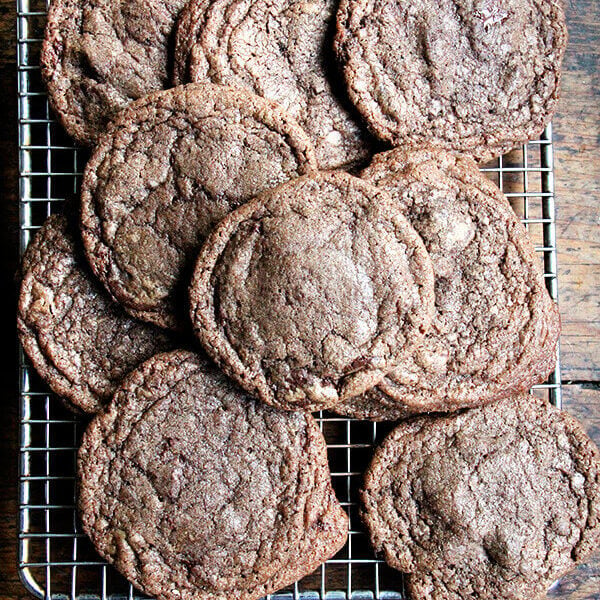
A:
[(56, 561)]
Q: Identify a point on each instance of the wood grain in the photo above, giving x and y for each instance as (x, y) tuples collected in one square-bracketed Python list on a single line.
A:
[(10, 586), (577, 152), (577, 163)]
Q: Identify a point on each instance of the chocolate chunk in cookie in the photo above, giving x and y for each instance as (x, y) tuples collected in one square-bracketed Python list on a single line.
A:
[(311, 292), (99, 55), (173, 165), (479, 77), (495, 328), (279, 49), (194, 490), (493, 503), (80, 342)]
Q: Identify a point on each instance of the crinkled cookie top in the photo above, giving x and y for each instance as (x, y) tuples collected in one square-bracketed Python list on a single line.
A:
[(194, 490), (282, 50), (312, 291), (495, 327), (99, 55), (80, 342), (173, 165), (476, 76), (500, 500)]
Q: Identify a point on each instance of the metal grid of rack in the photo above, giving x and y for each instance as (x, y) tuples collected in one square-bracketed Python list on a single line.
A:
[(55, 558)]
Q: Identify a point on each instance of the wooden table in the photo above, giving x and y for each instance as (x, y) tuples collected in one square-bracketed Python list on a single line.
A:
[(577, 152)]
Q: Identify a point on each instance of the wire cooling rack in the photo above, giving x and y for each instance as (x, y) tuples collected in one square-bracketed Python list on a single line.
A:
[(55, 558)]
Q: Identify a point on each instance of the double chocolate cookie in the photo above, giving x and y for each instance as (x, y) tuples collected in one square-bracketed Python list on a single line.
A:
[(479, 77), (310, 293), (80, 342), (173, 164), (279, 49), (493, 503), (495, 327), (99, 55), (193, 490)]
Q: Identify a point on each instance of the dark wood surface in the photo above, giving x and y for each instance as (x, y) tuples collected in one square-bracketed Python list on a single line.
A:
[(577, 155)]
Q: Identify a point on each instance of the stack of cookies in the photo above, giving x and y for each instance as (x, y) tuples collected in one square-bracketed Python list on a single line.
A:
[(282, 213)]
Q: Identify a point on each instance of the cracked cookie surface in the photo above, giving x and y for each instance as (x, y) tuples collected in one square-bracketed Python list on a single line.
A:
[(194, 490), (99, 55), (495, 502), (312, 291), (495, 327), (475, 76), (279, 49), (80, 342), (173, 165)]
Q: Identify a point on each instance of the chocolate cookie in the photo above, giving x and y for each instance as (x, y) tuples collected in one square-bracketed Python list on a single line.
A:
[(493, 503), (311, 292), (99, 55), (479, 77), (495, 328), (193, 490), (173, 164), (80, 342), (279, 49)]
